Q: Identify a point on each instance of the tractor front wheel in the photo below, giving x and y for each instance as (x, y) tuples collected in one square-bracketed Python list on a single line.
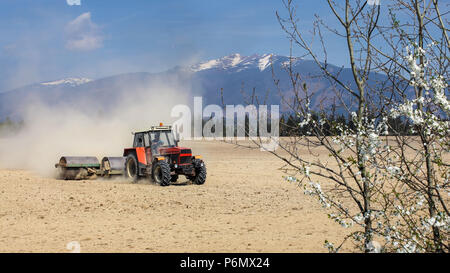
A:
[(161, 173), (200, 172)]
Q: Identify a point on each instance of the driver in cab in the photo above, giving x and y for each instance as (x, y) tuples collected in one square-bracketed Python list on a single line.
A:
[(156, 142)]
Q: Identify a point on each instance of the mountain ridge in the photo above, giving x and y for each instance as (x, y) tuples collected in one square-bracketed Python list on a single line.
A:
[(235, 74)]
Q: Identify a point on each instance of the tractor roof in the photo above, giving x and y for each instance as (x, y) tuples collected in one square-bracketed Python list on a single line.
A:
[(156, 128)]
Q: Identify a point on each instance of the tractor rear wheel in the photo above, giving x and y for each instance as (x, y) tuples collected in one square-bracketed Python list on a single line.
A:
[(131, 168), (161, 173), (200, 172)]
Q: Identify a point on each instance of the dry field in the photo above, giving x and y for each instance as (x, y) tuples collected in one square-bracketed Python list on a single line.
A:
[(245, 206)]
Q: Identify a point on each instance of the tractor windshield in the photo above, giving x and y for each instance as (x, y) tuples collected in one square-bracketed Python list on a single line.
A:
[(162, 138)]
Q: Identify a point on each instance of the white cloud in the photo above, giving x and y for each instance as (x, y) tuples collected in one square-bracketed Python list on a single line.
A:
[(83, 34), (74, 2)]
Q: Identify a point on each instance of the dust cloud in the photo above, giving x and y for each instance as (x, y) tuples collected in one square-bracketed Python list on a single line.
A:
[(52, 131)]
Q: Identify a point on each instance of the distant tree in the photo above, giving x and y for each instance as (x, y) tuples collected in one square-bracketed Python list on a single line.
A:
[(9, 127)]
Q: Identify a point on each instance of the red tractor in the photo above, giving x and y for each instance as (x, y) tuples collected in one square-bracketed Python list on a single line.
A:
[(156, 154)]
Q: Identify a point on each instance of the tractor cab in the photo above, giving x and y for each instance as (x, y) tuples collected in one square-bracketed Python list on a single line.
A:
[(159, 140)]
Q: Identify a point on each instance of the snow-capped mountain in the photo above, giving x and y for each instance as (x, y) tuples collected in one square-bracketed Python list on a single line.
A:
[(234, 74), (235, 62), (68, 81)]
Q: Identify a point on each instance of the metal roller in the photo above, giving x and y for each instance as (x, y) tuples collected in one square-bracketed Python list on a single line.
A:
[(79, 162), (78, 167), (112, 165)]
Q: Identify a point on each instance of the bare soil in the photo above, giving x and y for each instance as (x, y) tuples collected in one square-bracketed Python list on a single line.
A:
[(244, 206)]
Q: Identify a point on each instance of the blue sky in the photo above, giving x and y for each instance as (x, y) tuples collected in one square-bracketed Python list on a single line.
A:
[(44, 40)]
